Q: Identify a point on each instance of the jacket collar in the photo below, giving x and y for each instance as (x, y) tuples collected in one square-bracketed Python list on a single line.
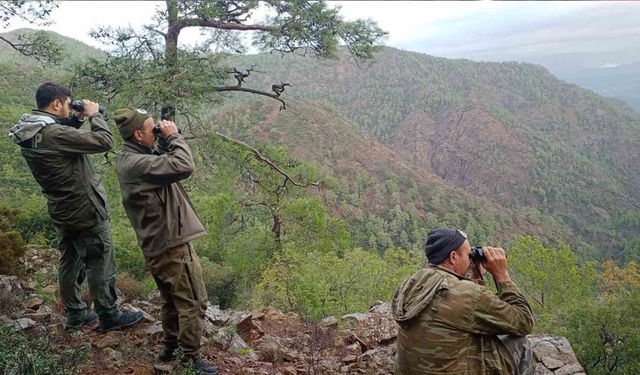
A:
[(38, 112), (129, 146), (449, 271)]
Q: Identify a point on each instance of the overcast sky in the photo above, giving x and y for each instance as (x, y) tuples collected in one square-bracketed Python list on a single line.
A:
[(591, 33)]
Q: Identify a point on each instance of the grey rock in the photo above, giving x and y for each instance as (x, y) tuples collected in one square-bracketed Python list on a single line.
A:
[(542, 370), (154, 329), (356, 317), (569, 369), (329, 321), (22, 324), (380, 307), (552, 363)]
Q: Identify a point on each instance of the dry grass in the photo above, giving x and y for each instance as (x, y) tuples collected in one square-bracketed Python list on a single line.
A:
[(130, 287)]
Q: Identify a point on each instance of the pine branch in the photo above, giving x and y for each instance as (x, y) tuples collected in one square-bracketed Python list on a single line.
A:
[(267, 161)]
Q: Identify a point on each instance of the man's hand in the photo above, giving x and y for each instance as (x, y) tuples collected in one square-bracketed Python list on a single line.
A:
[(167, 128), (496, 263), (90, 108)]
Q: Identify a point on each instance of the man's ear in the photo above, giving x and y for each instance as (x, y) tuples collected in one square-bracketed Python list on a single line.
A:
[(137, 135), (56, 105), (453, 256)]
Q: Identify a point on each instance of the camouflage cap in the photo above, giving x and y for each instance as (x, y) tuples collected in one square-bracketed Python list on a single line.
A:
[(441, 242), (129, 120)]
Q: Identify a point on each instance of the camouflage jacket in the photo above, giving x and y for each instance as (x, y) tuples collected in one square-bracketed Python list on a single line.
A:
[(448, 324), (157, 205), (58, 158)]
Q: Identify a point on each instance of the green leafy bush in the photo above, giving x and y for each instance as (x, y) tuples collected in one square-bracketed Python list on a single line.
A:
[(47, 354)]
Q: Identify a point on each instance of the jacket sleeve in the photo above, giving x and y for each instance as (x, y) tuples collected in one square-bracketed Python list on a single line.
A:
[(508, 312), (172, 166), (99, 139), (162, 146)]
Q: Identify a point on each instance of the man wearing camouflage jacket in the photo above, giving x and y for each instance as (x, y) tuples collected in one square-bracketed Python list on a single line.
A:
[(449, 324), (57, 155), (165, 223)]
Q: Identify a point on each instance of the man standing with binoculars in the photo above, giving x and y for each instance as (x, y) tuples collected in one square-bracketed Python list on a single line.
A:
[(451, 324), (56, 151), (165, 223)]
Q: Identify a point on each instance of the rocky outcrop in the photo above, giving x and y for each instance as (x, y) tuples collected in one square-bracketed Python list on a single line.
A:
[(261, 342)]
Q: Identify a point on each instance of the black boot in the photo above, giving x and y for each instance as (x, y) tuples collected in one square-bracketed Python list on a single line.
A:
[(201, 366), (169, 353), (121, 320), (77, 321)]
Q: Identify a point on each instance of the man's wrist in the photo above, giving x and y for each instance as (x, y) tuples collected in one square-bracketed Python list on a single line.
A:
[(502, 277)]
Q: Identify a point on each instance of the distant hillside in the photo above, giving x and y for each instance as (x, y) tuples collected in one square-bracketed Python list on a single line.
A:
[(509, 132), (621, 82), (387, 199), (20, 76)]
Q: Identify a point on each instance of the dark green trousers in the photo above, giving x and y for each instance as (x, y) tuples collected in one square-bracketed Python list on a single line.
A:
[(178, 276), (87, 254)]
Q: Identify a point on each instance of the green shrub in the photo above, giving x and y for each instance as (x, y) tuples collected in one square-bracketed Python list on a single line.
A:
[(21, 354), (218, 280), (11, 250)]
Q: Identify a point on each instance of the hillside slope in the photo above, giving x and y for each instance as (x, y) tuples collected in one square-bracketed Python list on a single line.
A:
[(509, 132)]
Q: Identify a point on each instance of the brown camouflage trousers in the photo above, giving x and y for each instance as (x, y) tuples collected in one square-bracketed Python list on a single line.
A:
[(521, 353), (178, 275)]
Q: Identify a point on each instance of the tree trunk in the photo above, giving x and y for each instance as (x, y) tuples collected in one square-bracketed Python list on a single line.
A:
[(171, 53)]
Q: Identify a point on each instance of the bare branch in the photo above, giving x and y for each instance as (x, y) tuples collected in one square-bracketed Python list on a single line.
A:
[(267, 161), (149, 28), (253, 91), (193, 22)]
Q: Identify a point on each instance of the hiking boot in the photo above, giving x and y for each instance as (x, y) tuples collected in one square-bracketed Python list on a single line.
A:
[(122, 320), (80, 320), (168, 354), (200, 366)]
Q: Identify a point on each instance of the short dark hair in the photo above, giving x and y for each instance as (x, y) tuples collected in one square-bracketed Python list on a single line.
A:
[(50, 91)]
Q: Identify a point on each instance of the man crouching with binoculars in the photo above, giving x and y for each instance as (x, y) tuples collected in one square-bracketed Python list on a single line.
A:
[(451, 323), (153, 161)]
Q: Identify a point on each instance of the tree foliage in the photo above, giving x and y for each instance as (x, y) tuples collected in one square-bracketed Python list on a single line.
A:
[(149, 67)]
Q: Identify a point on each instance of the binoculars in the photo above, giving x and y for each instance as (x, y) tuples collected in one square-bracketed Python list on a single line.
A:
[(156, 130), (78, 106), (477, 255)]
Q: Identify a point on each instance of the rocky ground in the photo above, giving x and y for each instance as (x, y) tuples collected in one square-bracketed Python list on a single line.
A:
[(266, 341)]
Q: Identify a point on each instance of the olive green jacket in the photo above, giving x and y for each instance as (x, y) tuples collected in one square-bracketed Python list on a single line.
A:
[(57, 157), (448, 324), (157, 205)]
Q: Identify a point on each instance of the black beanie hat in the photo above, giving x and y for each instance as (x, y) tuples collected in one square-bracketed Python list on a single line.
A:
[(441, 242)]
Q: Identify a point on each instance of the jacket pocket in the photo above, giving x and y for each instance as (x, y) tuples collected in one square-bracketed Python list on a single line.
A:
[(98, 197)]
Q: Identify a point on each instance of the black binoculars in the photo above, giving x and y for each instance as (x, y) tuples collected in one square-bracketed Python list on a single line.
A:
[(477, 255), (78, 106), (156, 130)]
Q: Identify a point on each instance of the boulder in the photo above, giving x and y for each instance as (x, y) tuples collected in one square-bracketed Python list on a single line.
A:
[(22, 324), (233, 343), (330, 321)]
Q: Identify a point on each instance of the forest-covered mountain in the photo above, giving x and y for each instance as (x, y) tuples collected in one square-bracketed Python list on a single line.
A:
[(511, 133), (412, 141)]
